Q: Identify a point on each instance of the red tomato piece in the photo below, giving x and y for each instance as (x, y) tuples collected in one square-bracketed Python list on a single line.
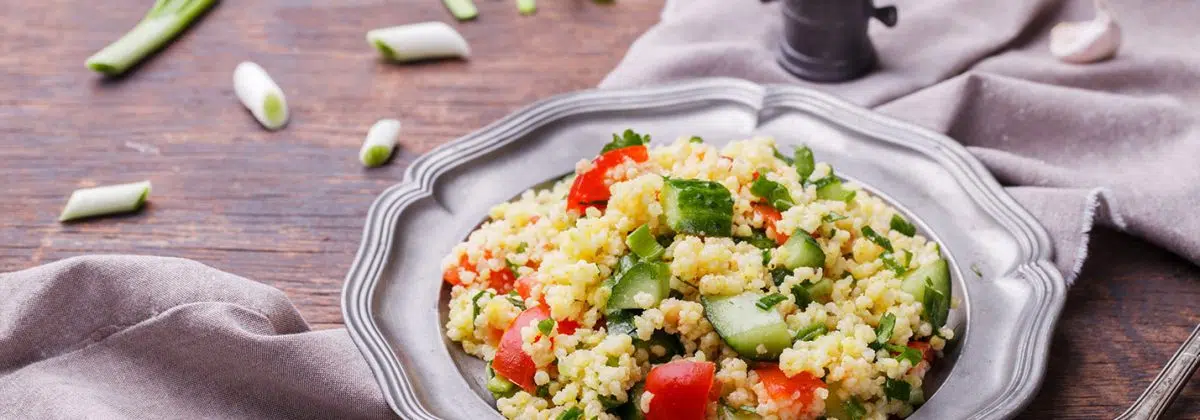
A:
[(682, 389), (770, 217), (589, 189), (925, 349), (525, 286), (796, 393), (502, 280), (567, 326), (451, 275), (513, 363)]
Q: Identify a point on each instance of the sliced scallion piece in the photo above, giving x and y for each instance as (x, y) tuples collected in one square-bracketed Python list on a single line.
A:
[(642, 243), (110, 199), (259, 93), (527, 7), (381, 139), (903, 226), (877, 238), (811, 332), (418, 41), (165, 20), (462, 9), (769, 301)]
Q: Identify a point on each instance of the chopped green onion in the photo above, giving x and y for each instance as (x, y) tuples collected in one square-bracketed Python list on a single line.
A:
[(545, 326), (418, 41), (165, 20), (526, 7), (936, 304), (773, 192), (804, 163), (573, 413), (626, 139), (381, 139), (897, 389), (513, 267), (462, 9), (802, 296), (105, 200), (878, 239), (515, 300), (884, 332), (642, 242), (259, 93), (475, 302), (769, 301), (811, 332), (831, 217), (696, 139), (902, 226), (854, 409), (890, 262)]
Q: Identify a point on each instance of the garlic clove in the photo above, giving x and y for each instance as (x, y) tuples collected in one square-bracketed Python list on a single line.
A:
[(1087, 41)]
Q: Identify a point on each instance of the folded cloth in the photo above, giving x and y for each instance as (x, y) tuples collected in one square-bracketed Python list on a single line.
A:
[(1113, 142), (150, 337)]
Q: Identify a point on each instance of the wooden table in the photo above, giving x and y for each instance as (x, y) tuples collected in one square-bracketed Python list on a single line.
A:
[(287, 208)]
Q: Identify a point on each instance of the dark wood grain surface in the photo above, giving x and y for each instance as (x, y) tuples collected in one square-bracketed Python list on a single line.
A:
[(287, 208)]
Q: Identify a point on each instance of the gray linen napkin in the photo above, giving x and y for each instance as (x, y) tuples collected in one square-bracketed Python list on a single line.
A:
[(148, 337), (1113, 142)]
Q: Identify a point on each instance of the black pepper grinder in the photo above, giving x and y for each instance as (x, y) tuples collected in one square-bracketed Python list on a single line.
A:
[(827, 41)]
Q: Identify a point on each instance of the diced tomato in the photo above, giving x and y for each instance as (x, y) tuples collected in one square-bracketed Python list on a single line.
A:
[(770, 217), (502, 280), (513, 363), (567, 326), (924, 348), (796, 393), (589, 189), (451, 275), (525, 285), (682, 389)]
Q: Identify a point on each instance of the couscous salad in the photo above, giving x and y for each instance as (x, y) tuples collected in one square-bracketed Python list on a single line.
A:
[(687, 281)]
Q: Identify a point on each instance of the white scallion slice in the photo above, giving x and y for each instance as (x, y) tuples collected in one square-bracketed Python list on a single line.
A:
[(527, 7), (462, 9), (110, 199), (419, 41), (260, 95), (381, 140)]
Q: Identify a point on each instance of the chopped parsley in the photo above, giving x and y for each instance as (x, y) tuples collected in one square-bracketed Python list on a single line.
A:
[(546, 326), (626, 139), (902, 226), (898, 390), (804, 163), (573, 413), (884, 332), (779, 274), (913, 356), (936, 305), (890, 262), (522, 247), (854, 409), (769, 301), (781, 156), (773, 192), (512, 267), (877, 238)]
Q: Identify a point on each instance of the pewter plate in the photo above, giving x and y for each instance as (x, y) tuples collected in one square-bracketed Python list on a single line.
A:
[(1009, 294)]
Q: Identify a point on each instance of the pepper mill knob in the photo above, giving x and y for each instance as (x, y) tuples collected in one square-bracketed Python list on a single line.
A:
[(827, 40)]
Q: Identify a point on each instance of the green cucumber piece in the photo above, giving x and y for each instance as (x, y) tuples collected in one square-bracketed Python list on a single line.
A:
[(800, 250), (821, 291), (834, 190), (938, 275), (498, 386), (698, 207), (644, 276), (745, 327), (643, 243), (730, 413), (661, 338)]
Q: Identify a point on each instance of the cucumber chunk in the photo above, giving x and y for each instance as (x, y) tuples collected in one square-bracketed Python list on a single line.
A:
[(800, 250), (834, 190), (669, 343), (642, 277), (498, 386), (935, 278), (643, 243), (745, 327), (698, 207)]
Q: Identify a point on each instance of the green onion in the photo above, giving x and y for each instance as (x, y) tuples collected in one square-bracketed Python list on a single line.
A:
[(573, 413), (878, 239), (936, 304), (381, 139), (773, 192), (811, 332), (515, 299), (642, 242), (626, 139), (769, 301), (512, 266), (165, 20), (902, 226), (898, 390), (475, 302), (259, 93), (854, 409), (526, 7), (462, 9), (418, 41), (109, 199), (894, 265), (696, 139), (545, 326), (831, 217), (804, 163), (802, 296), (883, 333)]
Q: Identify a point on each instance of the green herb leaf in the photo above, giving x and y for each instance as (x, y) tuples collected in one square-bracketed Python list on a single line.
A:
[(620, 322), (608, 402), (890, 262), (760, 240), (811, 332), (769, 301), (802, 296), (831, 217), (902, 226), (854, 409), (766, 257), (883, 332), (878, 239), (778, 275), (772, 192), (522, 247), (626, 139), (936, 304), (898, 390), (696, 139), (782, 156), (543, 391), (515, 299), (475, 302), (913, 356), (804, 163), (512, 267), (545, 326), (613, 361)]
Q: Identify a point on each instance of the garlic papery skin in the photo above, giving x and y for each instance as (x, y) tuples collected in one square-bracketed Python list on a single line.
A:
[(1087, 41)]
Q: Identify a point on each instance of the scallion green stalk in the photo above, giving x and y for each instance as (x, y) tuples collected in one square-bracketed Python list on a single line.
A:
[(462, 9), (527, 7), (381, 139), (109, 199), (162, 23)]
